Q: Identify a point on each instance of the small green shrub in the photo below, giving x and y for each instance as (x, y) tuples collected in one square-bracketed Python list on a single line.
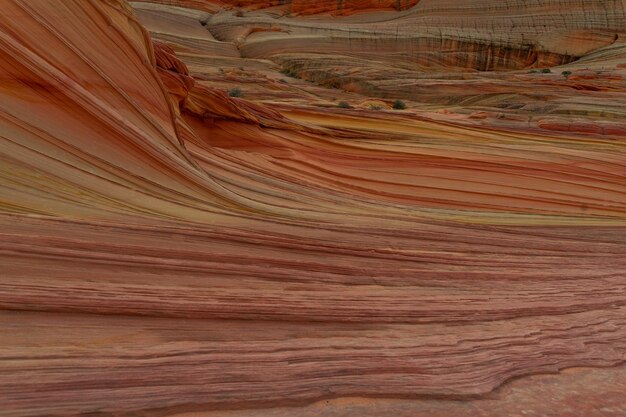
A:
[(533, 71), (399, 105), (375, 107), (344, 105), (566, 73), (290, 73), (235, 92), (546, 71)]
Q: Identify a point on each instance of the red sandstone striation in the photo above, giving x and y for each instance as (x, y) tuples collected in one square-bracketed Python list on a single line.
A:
[(170, 250), (300, 7), (344, 7)]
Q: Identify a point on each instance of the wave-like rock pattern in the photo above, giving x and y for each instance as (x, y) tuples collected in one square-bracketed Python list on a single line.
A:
[(167, 248), (300, 7), (476, 34)]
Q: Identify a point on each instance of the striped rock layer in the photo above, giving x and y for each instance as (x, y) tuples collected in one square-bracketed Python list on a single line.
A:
[(172, 247)]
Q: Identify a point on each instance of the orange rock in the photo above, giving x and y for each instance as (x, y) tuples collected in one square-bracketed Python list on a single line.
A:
[(584, 127), (173, 72), (166, 249)]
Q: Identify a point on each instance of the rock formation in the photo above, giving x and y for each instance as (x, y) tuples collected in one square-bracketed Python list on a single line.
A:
[(171, 246), (300, 7)]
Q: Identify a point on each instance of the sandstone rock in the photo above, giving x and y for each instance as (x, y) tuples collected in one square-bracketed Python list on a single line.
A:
[(170, 250)]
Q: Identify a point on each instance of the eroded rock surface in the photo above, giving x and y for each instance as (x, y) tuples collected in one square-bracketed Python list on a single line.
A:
[(172, 246)]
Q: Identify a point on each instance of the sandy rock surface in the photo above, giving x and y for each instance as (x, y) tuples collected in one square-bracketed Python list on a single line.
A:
[(220, 209)]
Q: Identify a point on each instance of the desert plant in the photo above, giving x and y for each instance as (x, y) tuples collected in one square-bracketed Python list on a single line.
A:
[(546, 71), (290, 73), (344, 105), (235, 92), (566, 73), (399, 105), (533, 71), (375, 107)]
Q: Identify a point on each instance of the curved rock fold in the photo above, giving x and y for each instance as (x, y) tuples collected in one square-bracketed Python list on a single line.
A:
[(192, 223)]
